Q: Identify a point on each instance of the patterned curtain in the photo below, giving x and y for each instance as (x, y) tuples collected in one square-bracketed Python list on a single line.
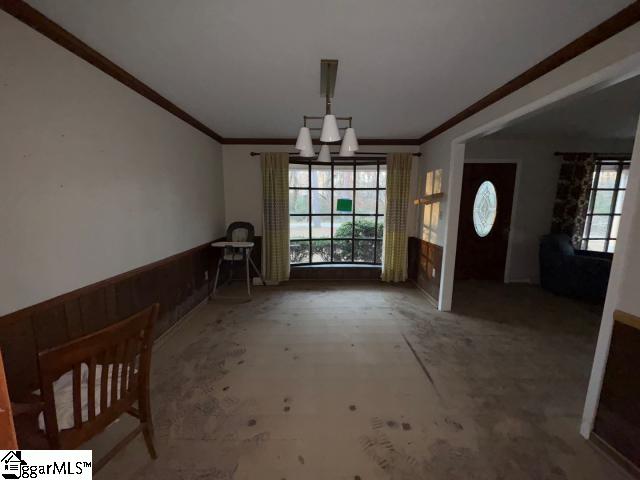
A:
[(275, 216), (394, 261), (572, 196)]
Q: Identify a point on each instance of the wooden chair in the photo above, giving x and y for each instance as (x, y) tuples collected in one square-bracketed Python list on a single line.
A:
[(7, 432), (123, 350)]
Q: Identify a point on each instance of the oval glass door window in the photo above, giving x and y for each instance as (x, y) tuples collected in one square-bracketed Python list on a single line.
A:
[(484, 208)]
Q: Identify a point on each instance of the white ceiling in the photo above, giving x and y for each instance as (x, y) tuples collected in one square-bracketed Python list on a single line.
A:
[(250, 68), (608, 113)]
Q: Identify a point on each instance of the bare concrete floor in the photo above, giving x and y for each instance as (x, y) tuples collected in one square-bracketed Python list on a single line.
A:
[(368, 381)]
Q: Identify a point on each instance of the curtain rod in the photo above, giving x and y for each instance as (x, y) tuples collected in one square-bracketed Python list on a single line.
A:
[(626, 155), (419, 154)]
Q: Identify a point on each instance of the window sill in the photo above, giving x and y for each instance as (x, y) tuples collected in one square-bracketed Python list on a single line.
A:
[(336, 265)]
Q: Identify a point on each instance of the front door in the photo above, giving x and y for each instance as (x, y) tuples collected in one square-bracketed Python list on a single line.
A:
[(485, 219)]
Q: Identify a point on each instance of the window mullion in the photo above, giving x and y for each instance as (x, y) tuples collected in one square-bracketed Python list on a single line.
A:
[(592, 201), (612, 209), (375, 224), (310, 218), (331, 211), (353, 214)]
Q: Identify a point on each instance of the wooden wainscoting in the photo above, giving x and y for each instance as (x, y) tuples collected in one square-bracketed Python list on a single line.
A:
[(617, 421), (425, 266), (177, 283)]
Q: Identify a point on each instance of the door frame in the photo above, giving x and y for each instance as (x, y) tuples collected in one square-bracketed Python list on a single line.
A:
[(514, 203)]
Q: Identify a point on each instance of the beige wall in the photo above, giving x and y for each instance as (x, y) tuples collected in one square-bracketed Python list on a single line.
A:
[(243, 181), (95, 180)]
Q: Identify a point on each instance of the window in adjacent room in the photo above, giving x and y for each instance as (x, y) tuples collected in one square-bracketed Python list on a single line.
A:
[(336, 211), (606, 197)]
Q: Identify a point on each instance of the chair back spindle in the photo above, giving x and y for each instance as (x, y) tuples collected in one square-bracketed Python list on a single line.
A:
[(109, 370)]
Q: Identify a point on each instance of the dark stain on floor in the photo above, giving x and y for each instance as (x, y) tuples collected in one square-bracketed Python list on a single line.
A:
[(518, 357), (453, 424)]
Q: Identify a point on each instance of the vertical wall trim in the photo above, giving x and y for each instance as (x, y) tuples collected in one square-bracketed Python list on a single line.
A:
[(630, 217)]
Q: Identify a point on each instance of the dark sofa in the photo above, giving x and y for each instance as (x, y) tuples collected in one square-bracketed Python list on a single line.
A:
[(573, 273)]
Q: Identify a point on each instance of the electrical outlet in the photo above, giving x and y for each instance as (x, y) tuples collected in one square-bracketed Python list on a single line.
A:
[(206, 275), (433, 273)]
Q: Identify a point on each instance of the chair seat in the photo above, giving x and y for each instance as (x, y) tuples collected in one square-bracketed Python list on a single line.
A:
[(233, 256)]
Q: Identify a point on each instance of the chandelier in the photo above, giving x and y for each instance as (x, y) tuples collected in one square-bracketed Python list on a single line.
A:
[(330, 129)]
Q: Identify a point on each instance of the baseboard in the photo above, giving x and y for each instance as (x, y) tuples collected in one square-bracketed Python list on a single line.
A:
[(257, 282), (432, 301), (614, 456), (162, 339), (527, 281)]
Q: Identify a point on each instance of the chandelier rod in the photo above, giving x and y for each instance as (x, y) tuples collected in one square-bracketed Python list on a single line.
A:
[(328, 98)]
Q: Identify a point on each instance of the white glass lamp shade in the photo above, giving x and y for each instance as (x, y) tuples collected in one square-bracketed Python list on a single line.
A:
[(349, 143), (304, 143), (324, 155), (307, 153), (330, 131)]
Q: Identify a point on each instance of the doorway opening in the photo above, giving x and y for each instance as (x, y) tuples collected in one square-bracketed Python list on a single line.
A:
[(573, 164)]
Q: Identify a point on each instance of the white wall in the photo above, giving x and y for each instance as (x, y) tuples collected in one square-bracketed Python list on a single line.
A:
[(536, 184), (95, 179), (243, 181)]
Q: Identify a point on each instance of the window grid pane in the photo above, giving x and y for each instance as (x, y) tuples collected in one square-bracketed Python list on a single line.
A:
[(322, 234), (606, 198)]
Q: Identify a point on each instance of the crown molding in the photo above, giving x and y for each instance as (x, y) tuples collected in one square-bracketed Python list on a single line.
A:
[(620, 21), (605, 30), (36, 20)]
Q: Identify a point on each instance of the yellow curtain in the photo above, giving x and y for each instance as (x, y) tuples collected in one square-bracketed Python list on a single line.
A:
[(275, 215), (394, 261)]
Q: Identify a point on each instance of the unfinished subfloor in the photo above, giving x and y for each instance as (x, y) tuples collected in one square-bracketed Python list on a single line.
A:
[(318, 380)]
